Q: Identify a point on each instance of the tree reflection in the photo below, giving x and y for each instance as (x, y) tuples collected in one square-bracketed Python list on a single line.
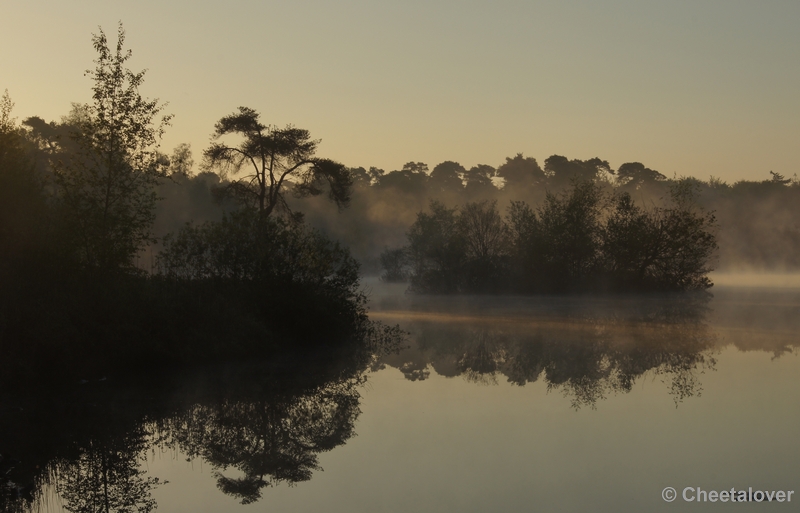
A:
[(106, 477), (257, 424), (586, 353), (271, 439)]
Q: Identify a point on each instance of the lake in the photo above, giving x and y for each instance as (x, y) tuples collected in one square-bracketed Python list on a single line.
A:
[(492, 404)]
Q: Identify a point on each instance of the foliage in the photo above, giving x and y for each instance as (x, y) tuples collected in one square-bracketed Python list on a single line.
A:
[(521, 172), (634, 175), (561, 171), (246, 247), (579, 240), (73, 225), (661, 248), (269, 279), (275, 156), (22, 199), (395, 265), (412, 179), (447, 176), (181, 162), (458, 250), (436, 249), (107, 185), (486, 246), (568, 237)]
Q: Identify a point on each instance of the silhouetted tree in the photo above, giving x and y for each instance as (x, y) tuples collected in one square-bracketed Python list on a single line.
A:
[(446, 177), (578, 240), (247, 247), (521, 172), (22, 200), (181, 162), (436, 249), (634, 175), (458, 250), (108, 183), (486, 246), (361, 177), (275, 159), (479, 183), (687, 241), (561, 171), (412, 179), (779, 178), (569, 236), (526, 247)]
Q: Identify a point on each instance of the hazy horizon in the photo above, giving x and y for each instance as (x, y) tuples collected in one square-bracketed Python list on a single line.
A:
[(693, 89)]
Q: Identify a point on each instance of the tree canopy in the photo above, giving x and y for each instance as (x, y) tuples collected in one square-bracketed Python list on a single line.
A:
[(274, 159), (107, 184), (579, 240)]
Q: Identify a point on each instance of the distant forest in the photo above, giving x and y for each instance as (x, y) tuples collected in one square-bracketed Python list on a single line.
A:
[(757, 222)]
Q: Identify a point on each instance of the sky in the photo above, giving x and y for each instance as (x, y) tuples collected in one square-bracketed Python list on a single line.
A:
[(699, 88)]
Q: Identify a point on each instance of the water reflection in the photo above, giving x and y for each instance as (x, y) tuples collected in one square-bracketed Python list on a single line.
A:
[(255, 424), (259, 425), (105, 475), (87, 443), (586, 350), (270, 439)]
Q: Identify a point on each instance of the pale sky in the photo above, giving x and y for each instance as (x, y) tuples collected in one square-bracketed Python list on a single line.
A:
[(687, 87)]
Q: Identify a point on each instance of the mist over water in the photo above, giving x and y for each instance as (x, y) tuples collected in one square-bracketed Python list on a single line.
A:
[(756, 280)]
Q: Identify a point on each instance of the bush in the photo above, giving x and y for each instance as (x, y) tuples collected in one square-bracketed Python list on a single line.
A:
[(395, 265), (248, 247), (251, 282)]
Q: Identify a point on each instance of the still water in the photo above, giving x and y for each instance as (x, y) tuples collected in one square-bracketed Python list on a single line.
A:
[(492, 404)]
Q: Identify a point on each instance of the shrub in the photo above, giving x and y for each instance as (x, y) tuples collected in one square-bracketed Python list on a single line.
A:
[(395, 265)]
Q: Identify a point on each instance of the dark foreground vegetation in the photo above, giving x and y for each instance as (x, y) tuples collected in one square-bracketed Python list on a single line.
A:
[(78, 202)]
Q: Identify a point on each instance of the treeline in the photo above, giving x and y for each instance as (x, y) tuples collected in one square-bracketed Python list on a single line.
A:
[(87, 288), (580, 240), (757, 225)]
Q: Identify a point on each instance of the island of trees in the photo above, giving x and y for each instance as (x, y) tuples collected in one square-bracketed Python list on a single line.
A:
[(583, 239)]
